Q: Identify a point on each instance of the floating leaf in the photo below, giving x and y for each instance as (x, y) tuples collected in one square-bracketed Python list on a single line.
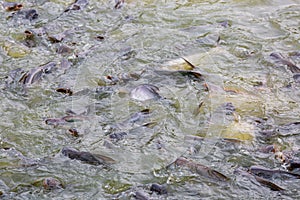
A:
[(15, 50), (115, 187), (239, 130)]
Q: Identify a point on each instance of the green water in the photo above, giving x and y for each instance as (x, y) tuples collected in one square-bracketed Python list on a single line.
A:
[(141, 37)]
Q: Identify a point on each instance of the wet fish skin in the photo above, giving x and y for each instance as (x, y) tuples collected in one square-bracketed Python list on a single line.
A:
[(66, 91), (74, 132), (159, 189), (293, 164), (268, 149), (73, 118), (296, 77), (55, 121), (86, 157), (139, 195), (52, 183), (119, 4), (12, 76), (145, 92), (77, 5), (270, 173), (285, 61), (260, 180), (35, 74), (31, 76), (181, 74), (117, 136), (289, 129), (29, 14), (139, 115), (200, 169), (269, 184), (12, 6)]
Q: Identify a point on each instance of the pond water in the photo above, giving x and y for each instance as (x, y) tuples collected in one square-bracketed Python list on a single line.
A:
[(244, 101)]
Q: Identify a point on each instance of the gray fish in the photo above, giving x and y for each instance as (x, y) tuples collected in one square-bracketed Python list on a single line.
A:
[(77, 5), (181, 75), (200, 169), (270, 173), (260, 180), (87, 157), (36, 74), (50, 183), (145, 92), (159, 189), (119, 3), (285, 61), (28, 14)]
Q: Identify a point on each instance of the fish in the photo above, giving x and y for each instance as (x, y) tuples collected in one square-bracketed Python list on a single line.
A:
[(12, 6), (181, 74), (288, 129), (260, 180), (268, 183), (50, 183), (70, 117), (200, 169), (66, 91), (270, 173), (159, 189), (74, 132), (56, 38), (77, 5), (25, 14), (293, 164), (64, 49), (117, 136), (119, 4), (35, 74), (145, 92), (87, 157), (285, 61), (140, 195)]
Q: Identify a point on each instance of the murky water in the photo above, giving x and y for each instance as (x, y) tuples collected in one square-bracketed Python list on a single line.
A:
[(105, 52)]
